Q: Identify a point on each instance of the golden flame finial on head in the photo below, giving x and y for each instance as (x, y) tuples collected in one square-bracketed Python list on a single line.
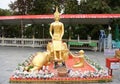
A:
[(56, 12)]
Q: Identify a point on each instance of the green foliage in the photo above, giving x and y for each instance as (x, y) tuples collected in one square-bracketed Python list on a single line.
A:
[(114, 5), (71, 7), (4, 12), (94, 6), (42, 7), (21, 7), (9, 31), (30, 67)]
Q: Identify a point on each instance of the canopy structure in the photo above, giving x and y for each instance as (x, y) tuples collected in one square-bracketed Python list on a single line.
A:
[(65, 18)]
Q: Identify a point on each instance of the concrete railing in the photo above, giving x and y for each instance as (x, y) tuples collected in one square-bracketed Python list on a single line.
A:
[(24, 42), (33, 42)]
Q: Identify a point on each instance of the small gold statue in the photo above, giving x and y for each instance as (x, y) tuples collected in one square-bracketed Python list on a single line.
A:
[(40, 59), (80, 62)]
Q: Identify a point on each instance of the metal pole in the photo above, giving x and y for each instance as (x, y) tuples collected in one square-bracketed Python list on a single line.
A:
[(2, 31), (22, 33), (70, 33), (21, 29)]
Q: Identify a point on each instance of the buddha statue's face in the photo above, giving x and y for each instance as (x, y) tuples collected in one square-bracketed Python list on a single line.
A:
[(56, 17)]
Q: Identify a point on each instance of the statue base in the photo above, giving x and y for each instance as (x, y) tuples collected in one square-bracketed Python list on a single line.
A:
[(89, 73)]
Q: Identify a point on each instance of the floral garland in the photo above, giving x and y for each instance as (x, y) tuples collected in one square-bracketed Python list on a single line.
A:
[(20, 73), (95, 65)]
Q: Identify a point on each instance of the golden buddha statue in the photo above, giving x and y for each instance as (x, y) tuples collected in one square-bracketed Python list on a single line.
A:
[(56, 32), (57, 48)]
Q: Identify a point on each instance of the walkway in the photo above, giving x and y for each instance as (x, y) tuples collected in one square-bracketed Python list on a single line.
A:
[(10, 57)]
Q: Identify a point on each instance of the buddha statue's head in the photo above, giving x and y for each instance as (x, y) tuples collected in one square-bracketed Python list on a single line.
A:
[(81, 52), (57, 15)]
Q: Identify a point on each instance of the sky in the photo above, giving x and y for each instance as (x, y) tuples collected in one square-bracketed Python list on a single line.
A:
[(4, 4)]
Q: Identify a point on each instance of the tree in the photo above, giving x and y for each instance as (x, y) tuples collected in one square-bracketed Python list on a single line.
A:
[(42, 7), (114, 5), (94, 6), (4, 12), (71, 7), (21, 7)]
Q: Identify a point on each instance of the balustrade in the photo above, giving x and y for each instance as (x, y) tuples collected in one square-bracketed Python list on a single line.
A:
[(33, 42), (24, 42)]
